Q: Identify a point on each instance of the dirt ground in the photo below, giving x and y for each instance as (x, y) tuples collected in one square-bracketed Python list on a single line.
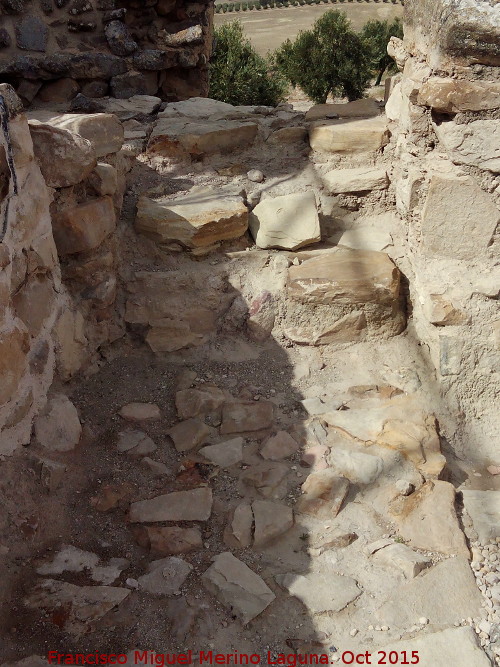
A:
[(269, 28)]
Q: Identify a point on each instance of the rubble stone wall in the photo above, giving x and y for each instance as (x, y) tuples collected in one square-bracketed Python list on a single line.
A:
[(445, 122), (54, 49)]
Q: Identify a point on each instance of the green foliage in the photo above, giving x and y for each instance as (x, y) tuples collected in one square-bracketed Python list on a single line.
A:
[(376, 35), (239, 75), (328, 59)]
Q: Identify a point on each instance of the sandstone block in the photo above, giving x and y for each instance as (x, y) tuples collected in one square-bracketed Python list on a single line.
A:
[(451, 226), (343, 295), (138, 412), (181, 138), (238, 532), (454, 95), (188, 434), (103, 130), (58, 427), (84, 227), (279, 446), (289, 221), (349, 136), (361, 179), (288, 135), (476, 144), (199, 220), (224, 454), (237, 587), (246, 416), (65, 158), (363, 108), (200, 401), (271, 521), (173, 540), (194, 505)]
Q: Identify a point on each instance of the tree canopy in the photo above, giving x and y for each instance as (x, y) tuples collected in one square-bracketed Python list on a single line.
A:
[(376, 35)]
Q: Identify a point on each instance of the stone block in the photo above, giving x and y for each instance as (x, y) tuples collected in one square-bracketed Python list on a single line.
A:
[(476, 144), (288, 222), (346, 136), (13, 351), (361, 179), (202, 218), (58, 427), (458, 218), (65, 158), (35, 302), (363, 108), (454, 95), (84, 227)]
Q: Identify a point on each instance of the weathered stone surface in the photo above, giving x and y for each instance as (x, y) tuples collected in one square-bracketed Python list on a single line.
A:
[(444, 594), (427, 519), (271, 521), (85, 604), (85, 226), (357, 467), (361, 179), (104, 131), (200, 401), (279, 446), (173, 540), (65, 158), (238, 532), (288, 135), (13, 350), (165, 576), (135, 443), (34, 302), (59, 91), (363, 108), (138, 412), (403, 558), (339, 294), (104, 179), (32, 34), (454, 646), (194, 505), (288, 222), (269, 479), (349, 136), (188, 434), (134, 83), (119, 39), (441, 311), (224, 454), (200, 219), (261, 316), (137, 105), (483, 507), (476, 144), (58, 427), (237, 587), (454, 95), (246, 416), (320, 592), (450, 224), (324, 492), (181, 137)]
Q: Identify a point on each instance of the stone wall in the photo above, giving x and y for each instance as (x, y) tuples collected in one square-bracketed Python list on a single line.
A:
[(53, 49), (60, 197), (445, 121)]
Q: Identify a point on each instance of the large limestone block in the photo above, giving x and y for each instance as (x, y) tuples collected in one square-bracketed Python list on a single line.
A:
[(364, 108), (65, 158), (361, 179), (444, 594), (343, 295), (454, 95), (237, 587), (103, 130), (180, 137), (476, 144), (288, 222), (454, 646), (483, 507), (458, 218), (84, 227), (349, 136), (428, 520), (201, 219)]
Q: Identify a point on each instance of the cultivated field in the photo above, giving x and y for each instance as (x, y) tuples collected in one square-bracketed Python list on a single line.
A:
[(268, 28)]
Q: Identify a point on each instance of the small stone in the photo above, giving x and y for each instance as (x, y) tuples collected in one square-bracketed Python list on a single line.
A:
[(165, 576), (188, 434), (255, 175), (279, 446), (404, 487), (271, 521), (156, 467), (354, 632), (225, 454), (58, 427), (193, 505), (132, 583), (423, 621), (140, 412)]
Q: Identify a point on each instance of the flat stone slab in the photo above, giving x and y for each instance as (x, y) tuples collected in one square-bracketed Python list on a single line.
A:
[(399, 556), (246, 416), (454, 646), (84, 604), (135, 106), (194, 505), (288, 222), (200, 219), (271, 521), (483, 507), (444, 594), (348, 135), (165, 576), (320, 592), (364, 108), (237, 587), (224, 454), (361, 179)]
